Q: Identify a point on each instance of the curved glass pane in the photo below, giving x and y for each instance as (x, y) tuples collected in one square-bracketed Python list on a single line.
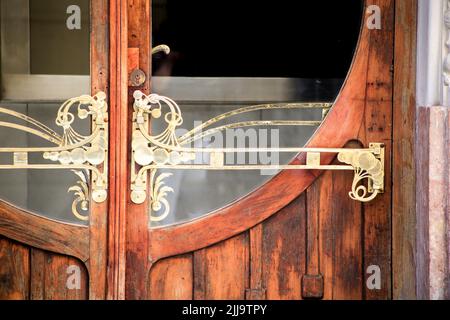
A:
[(229, 55), (45, 49)]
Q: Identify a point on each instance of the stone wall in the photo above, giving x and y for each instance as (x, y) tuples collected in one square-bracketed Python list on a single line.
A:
[(433, 203)]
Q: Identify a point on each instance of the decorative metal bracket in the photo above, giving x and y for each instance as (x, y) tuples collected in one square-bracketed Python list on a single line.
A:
[(86, 156), (168, 151)]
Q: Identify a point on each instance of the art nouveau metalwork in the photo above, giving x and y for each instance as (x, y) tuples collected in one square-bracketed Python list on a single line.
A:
[(86, 156), (166, 150)]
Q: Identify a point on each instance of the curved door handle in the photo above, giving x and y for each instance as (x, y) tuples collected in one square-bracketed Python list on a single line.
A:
[(161, 48)]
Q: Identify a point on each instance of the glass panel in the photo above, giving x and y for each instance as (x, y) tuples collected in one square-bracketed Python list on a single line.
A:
[(45, 49), (227, 55)]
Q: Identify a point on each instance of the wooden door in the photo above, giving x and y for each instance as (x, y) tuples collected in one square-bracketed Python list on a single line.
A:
[(42, 257), (299, 235)]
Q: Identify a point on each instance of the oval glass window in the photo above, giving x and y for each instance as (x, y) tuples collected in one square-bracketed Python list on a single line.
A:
[(45, 50), (284, 63)]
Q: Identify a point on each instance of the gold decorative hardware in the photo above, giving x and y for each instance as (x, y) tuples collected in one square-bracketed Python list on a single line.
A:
[(217, 159), (86, 156), (168, 151), (20, 158), (161, 48), (137, 78), (313, 159)]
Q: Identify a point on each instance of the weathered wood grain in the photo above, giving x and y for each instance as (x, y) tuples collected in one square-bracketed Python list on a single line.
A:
[(172, 279), (118, 154), (377, 127), (50, 274), (323, 207), (256, 290), (44, 233), (320, 238), (284, 252), (403, 149), (14, 270), (98, 221), (221, 272), (347, 224), (137, 216)]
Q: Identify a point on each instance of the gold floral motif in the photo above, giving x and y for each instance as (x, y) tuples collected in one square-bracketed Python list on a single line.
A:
[(81, 191), (369, 166), (72, 150)]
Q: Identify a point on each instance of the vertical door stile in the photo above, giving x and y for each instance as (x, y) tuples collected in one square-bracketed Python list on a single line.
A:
[(118, 150), (137, 218), (99, 211)]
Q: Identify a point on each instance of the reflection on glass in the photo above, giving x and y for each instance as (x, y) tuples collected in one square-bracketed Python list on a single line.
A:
[(226, 56), (44, 61)]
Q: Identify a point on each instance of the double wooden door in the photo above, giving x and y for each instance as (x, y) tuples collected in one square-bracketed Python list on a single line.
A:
[(297, 236)]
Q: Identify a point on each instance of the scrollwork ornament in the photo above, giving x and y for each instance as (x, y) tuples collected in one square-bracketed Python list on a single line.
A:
[(369, 168), (159, 194), (85, 155), (165, 150), (81, 191)]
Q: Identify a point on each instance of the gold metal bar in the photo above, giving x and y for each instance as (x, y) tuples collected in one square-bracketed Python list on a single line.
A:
[(33, 122), (279, 106), (250, 167), (238, 150), (54, 149), (251, 124), (50, 167), (29, 130)]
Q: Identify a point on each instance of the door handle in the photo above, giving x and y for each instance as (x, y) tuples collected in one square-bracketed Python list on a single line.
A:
[(166, 150), (161, 48), (138, 76), (85, 156)]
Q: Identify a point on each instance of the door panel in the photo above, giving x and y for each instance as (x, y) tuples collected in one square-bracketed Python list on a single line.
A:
[(328, 242), (50, 276), (172, 279), (14, 271), (283, 258), (221, 271), (29, 273)]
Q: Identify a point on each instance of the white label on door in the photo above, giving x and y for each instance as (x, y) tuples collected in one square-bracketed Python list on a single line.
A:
[(74, 280), (74, 20), (374, 279), (374, 18)]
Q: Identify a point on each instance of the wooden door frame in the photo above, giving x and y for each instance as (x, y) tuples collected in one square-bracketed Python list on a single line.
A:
[(404, 222), (134, 249), (128, 223)]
